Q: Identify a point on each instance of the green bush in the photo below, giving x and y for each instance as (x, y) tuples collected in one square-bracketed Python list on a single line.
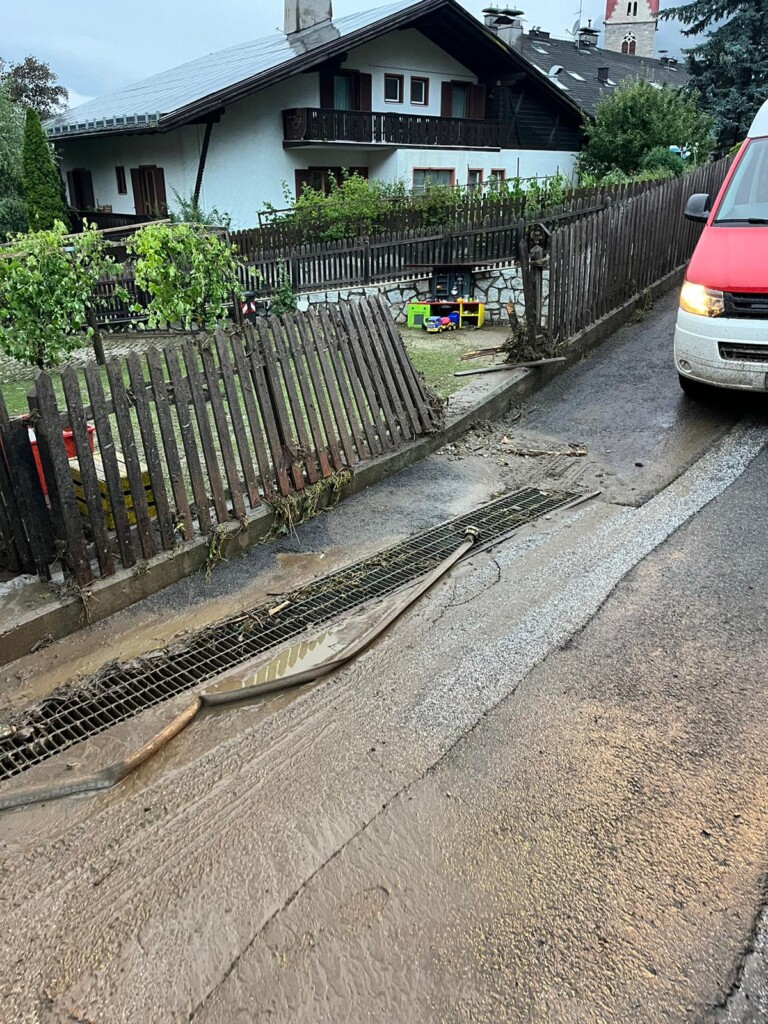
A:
[(360, 206), (189, 211), (636, 118), (46, 292), (189, 272), (284, 299), (662, 158), (42, 182)]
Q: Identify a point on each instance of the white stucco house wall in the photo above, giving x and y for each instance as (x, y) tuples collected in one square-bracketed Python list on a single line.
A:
[(412, 91)]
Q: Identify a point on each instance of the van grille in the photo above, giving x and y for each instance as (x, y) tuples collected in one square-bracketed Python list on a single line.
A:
[(744, 353), (746, 304)]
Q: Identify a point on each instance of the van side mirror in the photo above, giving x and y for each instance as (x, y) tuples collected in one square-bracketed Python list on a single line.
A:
[(697, 207)]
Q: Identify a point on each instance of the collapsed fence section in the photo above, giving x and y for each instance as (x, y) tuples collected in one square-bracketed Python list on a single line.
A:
[(168, 445)]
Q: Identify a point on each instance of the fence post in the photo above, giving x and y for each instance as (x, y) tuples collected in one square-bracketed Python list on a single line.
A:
[(366, 260)]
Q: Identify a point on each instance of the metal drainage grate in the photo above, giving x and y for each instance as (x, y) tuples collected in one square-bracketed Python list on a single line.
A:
[(120, 691)]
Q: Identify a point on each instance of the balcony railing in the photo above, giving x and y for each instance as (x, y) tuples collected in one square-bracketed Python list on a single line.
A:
[(312, 124)]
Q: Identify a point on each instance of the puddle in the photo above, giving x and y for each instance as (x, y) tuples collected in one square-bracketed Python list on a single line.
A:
[(300, 567)]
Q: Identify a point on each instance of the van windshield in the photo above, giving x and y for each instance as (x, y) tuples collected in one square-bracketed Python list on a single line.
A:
[(746, 198)]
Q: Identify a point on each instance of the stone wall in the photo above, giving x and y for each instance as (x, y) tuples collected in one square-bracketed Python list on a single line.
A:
[(495, 288)]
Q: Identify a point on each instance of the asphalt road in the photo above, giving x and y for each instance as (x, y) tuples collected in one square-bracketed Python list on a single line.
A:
[(539, 798)]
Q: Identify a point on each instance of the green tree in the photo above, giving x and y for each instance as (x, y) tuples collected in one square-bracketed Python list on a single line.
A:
[(728, 69), (190, 274), (32, 83), (13, 216), (46, 293), (42, 183), (638, 117)]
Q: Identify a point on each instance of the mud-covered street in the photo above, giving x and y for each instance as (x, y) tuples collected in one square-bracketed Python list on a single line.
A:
[(539, 797)]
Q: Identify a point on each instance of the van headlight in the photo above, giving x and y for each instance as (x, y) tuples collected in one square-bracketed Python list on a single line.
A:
[(695, 298)]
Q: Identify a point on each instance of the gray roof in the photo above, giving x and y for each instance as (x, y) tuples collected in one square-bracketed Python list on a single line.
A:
[(583, 62), (144, 104)]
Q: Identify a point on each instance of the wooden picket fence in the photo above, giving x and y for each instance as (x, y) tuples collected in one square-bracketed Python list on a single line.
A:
[(409, 216), (202, 433), (484, 235), (598, 263)]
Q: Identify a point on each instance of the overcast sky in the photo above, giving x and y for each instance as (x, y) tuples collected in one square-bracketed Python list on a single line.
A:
[(97, 46)]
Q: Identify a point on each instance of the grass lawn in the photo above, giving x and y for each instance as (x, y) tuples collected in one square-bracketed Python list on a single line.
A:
[(438, 356)]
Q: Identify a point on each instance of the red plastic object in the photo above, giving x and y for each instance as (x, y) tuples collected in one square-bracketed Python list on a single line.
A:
[(69, 445)]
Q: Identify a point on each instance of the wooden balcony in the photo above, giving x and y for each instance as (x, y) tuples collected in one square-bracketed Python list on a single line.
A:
[(306, 125)]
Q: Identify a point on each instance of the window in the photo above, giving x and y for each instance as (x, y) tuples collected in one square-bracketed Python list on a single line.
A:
[(634, 8), (498, 174), (475, 178), (629, 43), (321, 178), (122, 187), (747, 193), (345, 90), (80, 186), (461, 99), (420, 91), (629, 8), (393, 88), (425, 176)]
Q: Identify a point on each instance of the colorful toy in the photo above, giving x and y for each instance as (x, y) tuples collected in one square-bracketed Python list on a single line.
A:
[(433, 324)]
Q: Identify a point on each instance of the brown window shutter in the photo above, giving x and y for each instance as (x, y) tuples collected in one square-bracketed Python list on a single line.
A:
[(477, 101), (365, 92), (162, 201), (86, 184), (326, 90), (301, 177), (446, 99)]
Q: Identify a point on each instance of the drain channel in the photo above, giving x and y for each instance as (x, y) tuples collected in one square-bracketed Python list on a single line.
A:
[(121, 691)]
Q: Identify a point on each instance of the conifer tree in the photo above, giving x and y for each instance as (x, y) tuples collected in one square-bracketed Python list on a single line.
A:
[(729, 67), (42, 184)]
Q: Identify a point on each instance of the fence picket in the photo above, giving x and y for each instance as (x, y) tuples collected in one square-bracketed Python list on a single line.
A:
[(181, 401), (53, 455), (133, 467), (162, 406), (236, 417), (151, 450), (90, 483), (196, 383)]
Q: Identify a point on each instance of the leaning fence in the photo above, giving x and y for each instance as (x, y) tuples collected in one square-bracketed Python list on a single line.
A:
[(598, 263), (169, 445)]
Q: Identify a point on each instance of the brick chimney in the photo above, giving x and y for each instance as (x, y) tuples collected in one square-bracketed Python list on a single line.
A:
[(305, 14)]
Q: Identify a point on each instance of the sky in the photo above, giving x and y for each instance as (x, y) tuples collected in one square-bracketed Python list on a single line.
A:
[(98, 46)]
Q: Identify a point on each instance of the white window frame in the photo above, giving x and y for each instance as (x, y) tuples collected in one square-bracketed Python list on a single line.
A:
[(424, 82), (400, 80)]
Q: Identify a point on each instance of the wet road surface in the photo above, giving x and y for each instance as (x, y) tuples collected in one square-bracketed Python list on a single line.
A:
[(539, 797)]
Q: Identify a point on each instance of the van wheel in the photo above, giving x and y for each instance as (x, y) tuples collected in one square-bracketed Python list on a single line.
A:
[(692, 388)]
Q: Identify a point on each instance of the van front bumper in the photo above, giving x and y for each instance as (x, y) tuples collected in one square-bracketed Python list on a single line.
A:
[(705, 346)]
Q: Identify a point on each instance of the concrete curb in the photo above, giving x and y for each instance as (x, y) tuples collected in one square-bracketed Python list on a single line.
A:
[(486, 399)]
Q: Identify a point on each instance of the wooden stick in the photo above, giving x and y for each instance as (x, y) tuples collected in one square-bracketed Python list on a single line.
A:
[(509, 366)]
